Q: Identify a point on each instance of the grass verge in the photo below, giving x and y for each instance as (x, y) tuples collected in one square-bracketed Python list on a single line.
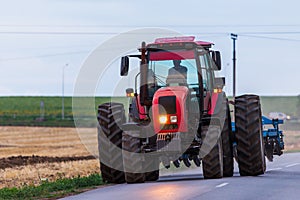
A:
[(52, 190)]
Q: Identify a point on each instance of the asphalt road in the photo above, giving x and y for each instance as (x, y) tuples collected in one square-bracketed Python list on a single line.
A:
[(281, 181)]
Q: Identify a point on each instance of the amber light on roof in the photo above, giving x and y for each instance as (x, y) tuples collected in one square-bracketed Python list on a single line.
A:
[(175, 39)]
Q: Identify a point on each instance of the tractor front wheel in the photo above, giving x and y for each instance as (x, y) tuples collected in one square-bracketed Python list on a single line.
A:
[(212, 162), (151, 163), (110, 116), (227, 145), (133, 163)]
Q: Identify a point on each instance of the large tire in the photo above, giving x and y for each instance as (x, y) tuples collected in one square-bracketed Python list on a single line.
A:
[(152, 162), (132, 162), (250, 150), (227, 145), (152, 176), (110, 116), (212, 162)]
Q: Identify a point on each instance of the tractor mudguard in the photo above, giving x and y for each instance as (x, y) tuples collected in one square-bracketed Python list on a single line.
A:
[(136, 111), (144, 130), (131, 126)]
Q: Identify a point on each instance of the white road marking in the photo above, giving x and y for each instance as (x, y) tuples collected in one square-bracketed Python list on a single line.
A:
[(222, 185), (274, 169), (292, 165)]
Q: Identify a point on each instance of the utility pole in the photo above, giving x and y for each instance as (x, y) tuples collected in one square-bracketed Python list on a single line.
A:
[(234, 38), (63, 92)]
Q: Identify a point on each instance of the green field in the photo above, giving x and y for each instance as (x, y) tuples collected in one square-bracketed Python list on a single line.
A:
[(287, 105), (27, 111)]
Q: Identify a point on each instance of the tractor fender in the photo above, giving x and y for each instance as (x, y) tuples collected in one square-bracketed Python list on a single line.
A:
[(138, 130), (136, 110)]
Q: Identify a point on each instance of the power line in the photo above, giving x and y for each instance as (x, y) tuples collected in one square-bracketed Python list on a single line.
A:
[(202, 34), (112, 33), (271, 38), (132, 26), (43, 56), (94, 33), (272, 33), (55, 33), (48, 47)]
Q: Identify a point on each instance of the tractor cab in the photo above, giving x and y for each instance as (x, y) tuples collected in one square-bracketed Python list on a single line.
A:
[(177, 63)]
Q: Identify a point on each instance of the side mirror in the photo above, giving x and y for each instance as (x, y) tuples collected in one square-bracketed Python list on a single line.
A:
[(124, 66), (216, 57)]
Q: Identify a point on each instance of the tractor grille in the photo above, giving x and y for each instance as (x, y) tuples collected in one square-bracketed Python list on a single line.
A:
[(169, 127), (169, 142), (168, 105)]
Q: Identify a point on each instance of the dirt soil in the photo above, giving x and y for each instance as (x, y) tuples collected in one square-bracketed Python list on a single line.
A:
[(15, 161), (30, 155), (44, 141), (292, 141)]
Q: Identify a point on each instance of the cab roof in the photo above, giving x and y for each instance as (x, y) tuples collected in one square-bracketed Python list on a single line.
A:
[(182, 39)]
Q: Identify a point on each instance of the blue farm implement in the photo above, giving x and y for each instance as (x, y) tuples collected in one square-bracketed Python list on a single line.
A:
[(272, 137)]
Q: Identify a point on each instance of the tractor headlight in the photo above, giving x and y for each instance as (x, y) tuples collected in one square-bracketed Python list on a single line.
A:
[(173, 119), (163, 119)]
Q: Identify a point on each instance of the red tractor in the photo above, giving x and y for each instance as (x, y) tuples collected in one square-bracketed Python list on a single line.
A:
[(178, 113)]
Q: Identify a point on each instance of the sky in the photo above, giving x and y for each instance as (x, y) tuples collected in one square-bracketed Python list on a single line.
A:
[(41, 39)]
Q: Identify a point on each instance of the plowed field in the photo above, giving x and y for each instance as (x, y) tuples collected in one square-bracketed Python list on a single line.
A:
[(29, 155)]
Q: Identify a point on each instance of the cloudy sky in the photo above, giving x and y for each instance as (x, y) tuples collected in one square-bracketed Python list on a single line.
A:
[(38, 38)]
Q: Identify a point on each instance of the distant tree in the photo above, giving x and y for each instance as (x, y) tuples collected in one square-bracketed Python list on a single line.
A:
[(298, 107)]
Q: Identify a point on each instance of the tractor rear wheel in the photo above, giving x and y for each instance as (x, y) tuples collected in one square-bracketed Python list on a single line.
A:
[(131, 158), (110, 116), (227, 145), (212, 162), (250, 149)]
